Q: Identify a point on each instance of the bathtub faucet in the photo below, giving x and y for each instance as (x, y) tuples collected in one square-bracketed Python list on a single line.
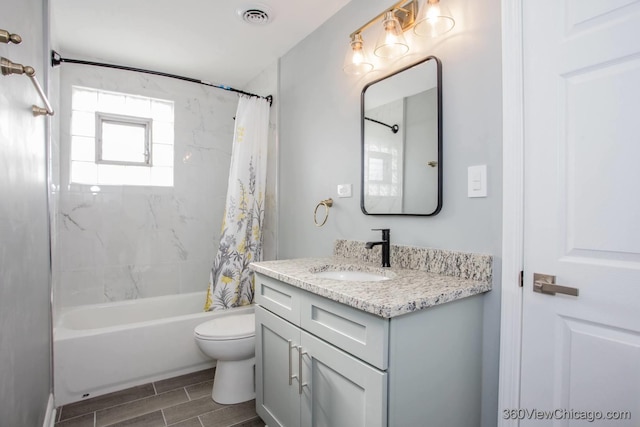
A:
[(385, 243)]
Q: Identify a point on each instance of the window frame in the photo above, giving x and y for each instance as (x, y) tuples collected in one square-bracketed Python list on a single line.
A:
[(124, 120)]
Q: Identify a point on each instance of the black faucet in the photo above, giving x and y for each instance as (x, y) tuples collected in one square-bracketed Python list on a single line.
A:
[(385, 246)]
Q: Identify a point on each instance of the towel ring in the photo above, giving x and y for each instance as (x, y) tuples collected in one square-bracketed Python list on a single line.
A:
[(327, 204)]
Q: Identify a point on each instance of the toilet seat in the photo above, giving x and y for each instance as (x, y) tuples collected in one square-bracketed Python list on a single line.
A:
[(230, 327)]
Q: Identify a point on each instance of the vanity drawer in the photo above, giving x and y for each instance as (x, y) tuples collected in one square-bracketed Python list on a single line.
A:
[(361, 334), (279, 298)]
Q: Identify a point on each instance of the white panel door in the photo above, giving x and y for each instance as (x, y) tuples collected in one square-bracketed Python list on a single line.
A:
[(582, 211)]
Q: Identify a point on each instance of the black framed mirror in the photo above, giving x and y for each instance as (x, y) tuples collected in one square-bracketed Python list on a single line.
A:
[(401, 130)]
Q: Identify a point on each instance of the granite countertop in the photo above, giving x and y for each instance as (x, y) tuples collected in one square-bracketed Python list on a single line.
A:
[(406, 291)]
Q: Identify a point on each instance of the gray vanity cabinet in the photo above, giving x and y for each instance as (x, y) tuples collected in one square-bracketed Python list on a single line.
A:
[(337, 389), (302, 380), (325, 364)]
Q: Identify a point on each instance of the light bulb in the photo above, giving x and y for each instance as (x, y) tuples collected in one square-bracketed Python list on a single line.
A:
[(433, 13), (391, 43), (356, 61), (433, 20)]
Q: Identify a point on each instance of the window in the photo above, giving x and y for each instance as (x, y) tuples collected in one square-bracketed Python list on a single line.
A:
[(120, 139), (123, 140)]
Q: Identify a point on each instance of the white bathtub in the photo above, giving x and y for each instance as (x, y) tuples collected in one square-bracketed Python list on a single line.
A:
[(102, 348)]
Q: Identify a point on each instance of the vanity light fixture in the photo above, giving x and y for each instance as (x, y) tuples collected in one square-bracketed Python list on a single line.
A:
[(430, 19)]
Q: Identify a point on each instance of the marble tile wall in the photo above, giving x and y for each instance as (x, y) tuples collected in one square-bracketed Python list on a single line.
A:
[(126, 242)]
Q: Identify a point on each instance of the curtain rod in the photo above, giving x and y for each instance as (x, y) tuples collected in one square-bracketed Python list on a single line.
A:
[(393, 128), (56, 60)]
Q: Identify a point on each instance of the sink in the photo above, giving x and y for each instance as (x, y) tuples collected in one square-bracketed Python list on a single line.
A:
[(351, 276)]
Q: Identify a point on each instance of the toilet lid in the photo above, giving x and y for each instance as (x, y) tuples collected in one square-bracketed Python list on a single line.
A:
[(228, 327)]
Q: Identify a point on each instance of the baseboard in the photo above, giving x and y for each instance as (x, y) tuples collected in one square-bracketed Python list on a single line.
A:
[(50, 417)]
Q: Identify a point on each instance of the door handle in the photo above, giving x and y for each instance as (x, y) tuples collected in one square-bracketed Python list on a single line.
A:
[(546, 284)]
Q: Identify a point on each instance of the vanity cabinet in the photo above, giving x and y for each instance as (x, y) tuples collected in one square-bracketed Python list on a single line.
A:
[(325, 364), (326, 383)]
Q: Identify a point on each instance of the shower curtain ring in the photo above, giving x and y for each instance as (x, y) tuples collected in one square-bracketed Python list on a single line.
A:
[(327, 204)]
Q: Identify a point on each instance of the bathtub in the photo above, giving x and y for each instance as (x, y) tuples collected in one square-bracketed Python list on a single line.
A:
[(101, 348)]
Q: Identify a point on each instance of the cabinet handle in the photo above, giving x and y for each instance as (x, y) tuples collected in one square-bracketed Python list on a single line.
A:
[(300, 383), (291, 376)]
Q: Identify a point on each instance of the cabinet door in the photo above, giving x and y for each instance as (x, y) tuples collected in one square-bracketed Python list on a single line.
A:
[(340, 390), (277, 398)]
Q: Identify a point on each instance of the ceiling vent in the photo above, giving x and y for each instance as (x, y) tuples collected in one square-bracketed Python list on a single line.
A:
[(254, 15)]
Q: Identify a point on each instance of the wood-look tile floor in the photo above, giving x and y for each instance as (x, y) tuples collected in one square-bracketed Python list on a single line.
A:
[(183, 401)]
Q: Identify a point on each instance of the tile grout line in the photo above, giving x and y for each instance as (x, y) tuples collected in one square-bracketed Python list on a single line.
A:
[(163, 417), (200, 421), (187, 392)]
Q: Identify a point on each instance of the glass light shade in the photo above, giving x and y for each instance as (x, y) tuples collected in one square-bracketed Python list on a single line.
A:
[(356, 62), (391, 43), (433, 19)]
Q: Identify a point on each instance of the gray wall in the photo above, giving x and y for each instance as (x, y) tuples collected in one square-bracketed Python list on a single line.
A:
[(25, 345), (319, 138)]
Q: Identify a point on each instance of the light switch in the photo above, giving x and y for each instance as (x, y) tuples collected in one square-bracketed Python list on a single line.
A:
[(477, 181), (344, 190)]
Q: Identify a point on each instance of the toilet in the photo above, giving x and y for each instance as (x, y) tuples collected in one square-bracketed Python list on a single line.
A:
[(230, 339)]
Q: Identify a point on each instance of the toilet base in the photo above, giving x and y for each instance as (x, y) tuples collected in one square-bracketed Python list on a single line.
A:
[(234, 381)]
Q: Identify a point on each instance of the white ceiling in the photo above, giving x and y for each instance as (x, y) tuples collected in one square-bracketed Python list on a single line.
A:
[(202, 39)]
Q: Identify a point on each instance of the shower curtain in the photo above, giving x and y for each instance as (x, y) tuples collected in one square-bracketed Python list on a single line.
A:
[(231, 283)]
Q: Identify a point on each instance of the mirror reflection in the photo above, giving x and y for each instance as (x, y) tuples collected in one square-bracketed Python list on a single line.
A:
[(401, 125)]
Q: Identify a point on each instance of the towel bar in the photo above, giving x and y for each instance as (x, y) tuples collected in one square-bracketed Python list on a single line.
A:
[(9, 68)]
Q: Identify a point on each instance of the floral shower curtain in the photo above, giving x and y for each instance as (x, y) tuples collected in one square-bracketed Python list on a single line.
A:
[(231, 284)]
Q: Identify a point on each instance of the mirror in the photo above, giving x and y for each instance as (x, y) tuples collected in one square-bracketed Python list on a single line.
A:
[(401, 123)]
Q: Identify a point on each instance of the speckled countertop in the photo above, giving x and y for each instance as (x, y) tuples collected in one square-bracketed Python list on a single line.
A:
[(407, 290)]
